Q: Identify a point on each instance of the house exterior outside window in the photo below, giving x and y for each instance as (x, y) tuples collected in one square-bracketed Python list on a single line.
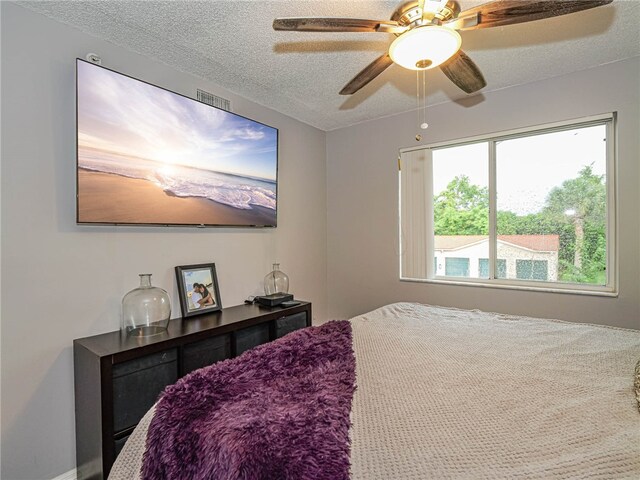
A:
[(462, 256)]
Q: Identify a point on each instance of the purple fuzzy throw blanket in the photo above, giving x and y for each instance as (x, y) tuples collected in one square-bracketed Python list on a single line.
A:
[(279, 411)]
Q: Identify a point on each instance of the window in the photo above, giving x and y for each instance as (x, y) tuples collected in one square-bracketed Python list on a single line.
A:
[(456, 267), (532, 269), (501, 268), (531, 208)]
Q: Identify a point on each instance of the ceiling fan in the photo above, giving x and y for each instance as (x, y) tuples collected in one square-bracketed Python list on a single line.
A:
[(427, 34)]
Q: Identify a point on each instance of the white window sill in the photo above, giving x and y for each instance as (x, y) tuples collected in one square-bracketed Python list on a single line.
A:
[(512, 285)]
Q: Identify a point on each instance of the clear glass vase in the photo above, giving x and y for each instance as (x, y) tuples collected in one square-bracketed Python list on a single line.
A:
[(145, 310), (276, 281)]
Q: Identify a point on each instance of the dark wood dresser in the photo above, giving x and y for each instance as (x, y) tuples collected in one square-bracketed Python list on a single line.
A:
[(118, 378)]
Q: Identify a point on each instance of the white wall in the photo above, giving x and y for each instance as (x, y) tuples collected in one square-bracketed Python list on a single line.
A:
[(61, 281), (362, 186)]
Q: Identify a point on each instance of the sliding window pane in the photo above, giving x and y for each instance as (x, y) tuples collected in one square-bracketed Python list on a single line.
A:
[(551, 206), (461, 209)]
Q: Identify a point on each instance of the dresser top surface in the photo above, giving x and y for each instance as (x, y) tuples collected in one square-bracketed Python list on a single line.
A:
[(221, 321)]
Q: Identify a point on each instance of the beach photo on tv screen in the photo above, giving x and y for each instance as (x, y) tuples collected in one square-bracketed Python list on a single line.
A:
[(149, 156)]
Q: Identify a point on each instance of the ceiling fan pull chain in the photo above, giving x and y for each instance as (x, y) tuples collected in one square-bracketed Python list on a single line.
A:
[(418, 94), (421, 91), (418, 136), (424, 125)]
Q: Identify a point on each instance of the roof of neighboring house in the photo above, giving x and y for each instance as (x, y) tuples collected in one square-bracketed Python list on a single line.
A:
[(541, 243), (453, 242)]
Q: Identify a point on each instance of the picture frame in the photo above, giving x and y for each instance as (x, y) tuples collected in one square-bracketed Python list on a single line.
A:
[(198, 289)]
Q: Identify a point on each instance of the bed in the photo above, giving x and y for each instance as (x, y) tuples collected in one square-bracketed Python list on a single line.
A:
[(448, 393)]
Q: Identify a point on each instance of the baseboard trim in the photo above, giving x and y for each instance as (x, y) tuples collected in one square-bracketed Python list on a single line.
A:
[(70, 475)]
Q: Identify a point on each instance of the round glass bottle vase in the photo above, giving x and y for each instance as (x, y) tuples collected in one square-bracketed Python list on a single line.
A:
[(145, 310), (276, 281)]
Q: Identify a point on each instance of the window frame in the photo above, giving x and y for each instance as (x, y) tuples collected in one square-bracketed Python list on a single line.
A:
[(608, 120)]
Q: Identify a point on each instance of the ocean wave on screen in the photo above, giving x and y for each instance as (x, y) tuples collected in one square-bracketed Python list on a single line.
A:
[(233, 191), (103, 163), (115, 171), (242, 192)]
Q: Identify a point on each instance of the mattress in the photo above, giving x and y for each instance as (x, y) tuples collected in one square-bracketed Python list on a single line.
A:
[(448, 393)]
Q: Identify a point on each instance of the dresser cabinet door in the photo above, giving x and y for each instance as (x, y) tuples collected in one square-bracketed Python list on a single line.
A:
[(119, 444), (248, 338), (290, 323), (205, 352), (137, 384)]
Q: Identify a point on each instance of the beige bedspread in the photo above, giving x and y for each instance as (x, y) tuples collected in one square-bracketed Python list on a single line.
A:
[(446, 393)]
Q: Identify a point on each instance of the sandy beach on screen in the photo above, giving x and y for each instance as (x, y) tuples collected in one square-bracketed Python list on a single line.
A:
[(109, 198)]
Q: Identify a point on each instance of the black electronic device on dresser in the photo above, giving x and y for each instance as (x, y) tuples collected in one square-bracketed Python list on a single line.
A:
[(118, 378)]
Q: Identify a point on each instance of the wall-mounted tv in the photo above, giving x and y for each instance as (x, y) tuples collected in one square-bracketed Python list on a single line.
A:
[(149, 156)]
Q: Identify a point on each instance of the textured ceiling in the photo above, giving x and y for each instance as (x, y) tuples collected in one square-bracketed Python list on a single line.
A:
[(231, 43)]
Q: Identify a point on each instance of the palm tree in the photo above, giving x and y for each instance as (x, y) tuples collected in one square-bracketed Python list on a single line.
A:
[(581, 199)]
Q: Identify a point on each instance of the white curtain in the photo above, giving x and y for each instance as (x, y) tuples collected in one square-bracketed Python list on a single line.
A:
[(416, 214)]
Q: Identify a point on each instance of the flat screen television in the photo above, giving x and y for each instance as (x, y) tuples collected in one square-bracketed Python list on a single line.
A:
[(149, 156)]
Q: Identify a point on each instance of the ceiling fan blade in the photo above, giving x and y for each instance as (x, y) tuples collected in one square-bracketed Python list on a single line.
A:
[(370, 72), (508, 12), (317, 24), (464, 73)]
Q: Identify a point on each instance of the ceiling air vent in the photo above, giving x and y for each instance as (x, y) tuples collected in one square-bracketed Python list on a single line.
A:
[(214, 100)]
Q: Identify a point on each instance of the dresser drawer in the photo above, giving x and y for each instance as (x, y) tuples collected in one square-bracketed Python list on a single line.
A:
[(205, 352), (137, 384), (119, 444), (290, 323), (248, 338)]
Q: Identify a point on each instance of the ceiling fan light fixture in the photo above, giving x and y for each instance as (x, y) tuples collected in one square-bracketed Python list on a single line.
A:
[(425, 47), (434, 6)]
